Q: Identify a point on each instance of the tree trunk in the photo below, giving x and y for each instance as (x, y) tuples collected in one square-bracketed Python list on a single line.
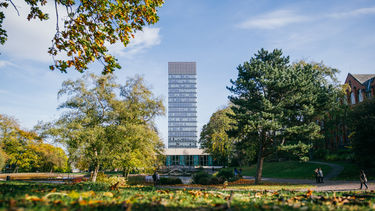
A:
[(95, 174), (125, 173), (258, 177)]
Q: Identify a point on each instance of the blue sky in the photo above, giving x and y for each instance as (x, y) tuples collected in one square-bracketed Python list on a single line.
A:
[(218, 35)]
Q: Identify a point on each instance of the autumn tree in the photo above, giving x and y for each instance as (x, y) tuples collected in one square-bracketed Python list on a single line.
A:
[(101, 129), (25, 151), (276, 103), (138, 143), (15, 143), (88, 28), (214, 138), (3, 159)]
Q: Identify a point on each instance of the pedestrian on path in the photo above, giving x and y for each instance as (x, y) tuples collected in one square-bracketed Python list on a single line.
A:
[(363, 179), (316, 173), (320, 175), (156, 178)]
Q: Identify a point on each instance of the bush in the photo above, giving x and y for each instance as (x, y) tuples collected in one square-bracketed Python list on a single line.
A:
[(170, 181), (201, 177), (204, 178), (136, 180), (102, 178), (226, 174)]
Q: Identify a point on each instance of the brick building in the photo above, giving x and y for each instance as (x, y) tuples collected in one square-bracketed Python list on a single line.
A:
[(362, 86)]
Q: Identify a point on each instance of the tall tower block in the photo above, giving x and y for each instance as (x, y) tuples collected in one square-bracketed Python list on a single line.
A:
[(182, 105)]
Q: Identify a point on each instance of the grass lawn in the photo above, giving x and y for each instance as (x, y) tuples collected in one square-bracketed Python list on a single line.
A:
[(286, 169), (351, 171), (89, 196)]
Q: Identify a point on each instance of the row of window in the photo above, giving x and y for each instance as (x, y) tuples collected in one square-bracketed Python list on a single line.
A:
[(182, 81), (360, 94), (182, 105), (182, 100), (177, 109), (192, 124), (182, 146), (188, 160), (174, 90), (182, 119), (182, 139), (190, 133), (176, 94), (184, 114), (181, 76), (194, 129), (188, 86)]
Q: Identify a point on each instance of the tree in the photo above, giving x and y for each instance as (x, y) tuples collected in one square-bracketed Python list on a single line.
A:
[(51, 158), (25, 151), (100, 129), (89, 27), (214, 138), (14, 142), (362, 121), (276, 103), (138, 144), (3, 159)]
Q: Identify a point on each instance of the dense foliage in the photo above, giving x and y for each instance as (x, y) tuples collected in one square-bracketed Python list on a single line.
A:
[(23, 150), (277, 103), (102, 129), (214, 138), (88, 28), (362, 121)]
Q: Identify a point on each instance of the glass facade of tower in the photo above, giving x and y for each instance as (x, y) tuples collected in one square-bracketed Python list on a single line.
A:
[(182, 105)]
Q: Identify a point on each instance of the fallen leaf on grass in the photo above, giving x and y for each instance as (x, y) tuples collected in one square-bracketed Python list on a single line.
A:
[(33, 198), (108, 194), (309, 193)]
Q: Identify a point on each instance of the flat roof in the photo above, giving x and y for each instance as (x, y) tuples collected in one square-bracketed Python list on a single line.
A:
[(182, 68), (184, 151)]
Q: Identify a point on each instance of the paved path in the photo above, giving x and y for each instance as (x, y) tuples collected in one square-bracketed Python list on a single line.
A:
[(335, 171), (328, 185)]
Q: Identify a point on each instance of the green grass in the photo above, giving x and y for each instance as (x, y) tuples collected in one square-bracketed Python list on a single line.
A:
[(89, 196), (351, 171), (286, 169)]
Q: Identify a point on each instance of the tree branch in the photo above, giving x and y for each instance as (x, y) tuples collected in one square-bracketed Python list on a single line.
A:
[(14, 7)]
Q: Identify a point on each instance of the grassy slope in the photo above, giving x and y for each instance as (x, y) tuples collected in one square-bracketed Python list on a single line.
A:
[(351, 171), (287, 169)]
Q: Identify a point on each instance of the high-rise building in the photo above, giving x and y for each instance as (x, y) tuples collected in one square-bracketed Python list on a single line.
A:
[(182, 105)]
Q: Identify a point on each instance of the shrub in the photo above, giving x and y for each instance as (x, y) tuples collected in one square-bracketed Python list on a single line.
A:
[(170, 181), (201, 177), (136, 180), (225, 174), (102, 178), (215, 181)]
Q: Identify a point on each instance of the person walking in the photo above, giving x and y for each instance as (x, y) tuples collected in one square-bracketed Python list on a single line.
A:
[(363, 178), (320, 175), (156, 178)]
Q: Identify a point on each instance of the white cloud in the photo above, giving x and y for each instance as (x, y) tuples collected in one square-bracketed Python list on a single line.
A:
[(356, 12), (145, 39), (4, 63), (29, 39), (281, 18), (273, 20)]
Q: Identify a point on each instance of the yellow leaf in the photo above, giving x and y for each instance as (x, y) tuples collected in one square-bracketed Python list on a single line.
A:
[(108, 194)]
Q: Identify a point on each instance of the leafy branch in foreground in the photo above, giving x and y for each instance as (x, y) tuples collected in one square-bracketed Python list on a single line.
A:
[(89, 28)]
